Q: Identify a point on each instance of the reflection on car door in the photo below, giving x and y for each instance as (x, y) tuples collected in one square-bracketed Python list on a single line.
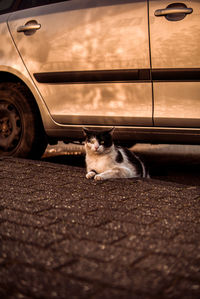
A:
[(89, 59), (175, 48)]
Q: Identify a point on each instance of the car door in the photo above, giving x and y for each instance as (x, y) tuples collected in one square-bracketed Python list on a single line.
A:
[(175, 53), (89, 59)]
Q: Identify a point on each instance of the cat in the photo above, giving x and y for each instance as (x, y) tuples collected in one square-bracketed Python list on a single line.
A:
[(105, 160)]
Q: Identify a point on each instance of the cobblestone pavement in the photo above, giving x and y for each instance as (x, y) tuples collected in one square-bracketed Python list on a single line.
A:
[(62, 236)]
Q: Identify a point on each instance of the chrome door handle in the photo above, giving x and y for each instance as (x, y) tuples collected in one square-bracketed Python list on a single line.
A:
[(30, 26), (171, 11)]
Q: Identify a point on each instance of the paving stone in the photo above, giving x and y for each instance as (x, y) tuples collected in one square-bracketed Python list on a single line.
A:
[(62, 236)]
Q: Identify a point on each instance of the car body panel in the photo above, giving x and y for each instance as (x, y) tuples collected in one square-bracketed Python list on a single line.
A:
[(177, 104), (91, 64), (11, 63), (89, 36), (175, 49)]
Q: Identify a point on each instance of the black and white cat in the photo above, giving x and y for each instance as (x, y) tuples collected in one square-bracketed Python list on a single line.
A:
[(105, 160)]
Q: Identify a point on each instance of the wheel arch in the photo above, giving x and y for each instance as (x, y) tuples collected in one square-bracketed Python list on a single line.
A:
[(15, 77), (8, 77)]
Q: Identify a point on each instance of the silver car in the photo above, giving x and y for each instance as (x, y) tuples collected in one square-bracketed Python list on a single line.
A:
[(132, 64)]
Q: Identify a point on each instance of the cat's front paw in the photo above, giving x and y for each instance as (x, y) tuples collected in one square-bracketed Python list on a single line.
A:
[(99, 177), (90, 174)]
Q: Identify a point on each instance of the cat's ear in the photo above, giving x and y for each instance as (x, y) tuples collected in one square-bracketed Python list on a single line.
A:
[(111, 130), (85, 131)]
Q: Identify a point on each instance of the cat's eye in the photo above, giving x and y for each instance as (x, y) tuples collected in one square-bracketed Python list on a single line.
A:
[(102, 142)]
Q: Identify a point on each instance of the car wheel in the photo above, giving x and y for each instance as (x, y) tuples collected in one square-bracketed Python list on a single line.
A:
[(21, 130)]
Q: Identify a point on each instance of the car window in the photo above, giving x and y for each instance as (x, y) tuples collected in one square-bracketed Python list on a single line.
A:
[(33, 3), (5, 5)]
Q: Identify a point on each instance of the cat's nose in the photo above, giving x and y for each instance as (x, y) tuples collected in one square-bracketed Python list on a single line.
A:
[(96, 147)]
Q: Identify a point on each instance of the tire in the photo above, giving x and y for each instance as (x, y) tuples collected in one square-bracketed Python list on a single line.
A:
[(21, 129)]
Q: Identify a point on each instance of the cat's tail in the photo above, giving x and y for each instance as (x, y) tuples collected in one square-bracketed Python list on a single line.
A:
[(145, 169), (146, 173)]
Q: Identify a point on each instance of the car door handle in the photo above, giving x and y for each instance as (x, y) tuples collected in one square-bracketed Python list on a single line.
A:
[(30, 26), (171, 11)]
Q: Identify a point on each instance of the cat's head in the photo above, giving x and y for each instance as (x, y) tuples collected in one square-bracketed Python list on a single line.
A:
[(98, 141)]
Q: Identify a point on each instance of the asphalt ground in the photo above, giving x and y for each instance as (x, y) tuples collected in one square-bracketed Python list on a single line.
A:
[(63, 236)]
